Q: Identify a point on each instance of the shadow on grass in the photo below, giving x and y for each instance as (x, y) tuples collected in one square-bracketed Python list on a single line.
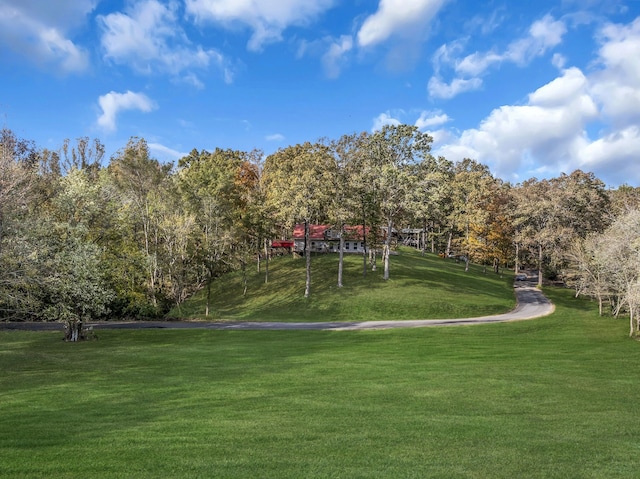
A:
[(421, 287)]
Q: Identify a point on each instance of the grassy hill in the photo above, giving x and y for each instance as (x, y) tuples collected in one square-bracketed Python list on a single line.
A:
[(420, 287)]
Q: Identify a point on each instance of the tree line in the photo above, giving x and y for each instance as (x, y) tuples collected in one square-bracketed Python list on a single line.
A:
[(83, 237)]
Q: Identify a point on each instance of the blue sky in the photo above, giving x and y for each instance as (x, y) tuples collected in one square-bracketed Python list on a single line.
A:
[(532, 89)]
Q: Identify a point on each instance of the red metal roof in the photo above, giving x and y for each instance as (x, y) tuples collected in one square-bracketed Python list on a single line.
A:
[(355, 232), (316, 232), (282, 244)]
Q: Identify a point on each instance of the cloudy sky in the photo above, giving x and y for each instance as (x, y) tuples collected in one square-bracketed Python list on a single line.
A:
[(532, 89)]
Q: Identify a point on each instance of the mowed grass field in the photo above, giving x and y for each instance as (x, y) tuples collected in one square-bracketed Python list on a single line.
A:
[(420, 287), (555, 397)]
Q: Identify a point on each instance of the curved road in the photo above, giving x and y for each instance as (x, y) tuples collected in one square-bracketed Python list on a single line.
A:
[(531, 304)]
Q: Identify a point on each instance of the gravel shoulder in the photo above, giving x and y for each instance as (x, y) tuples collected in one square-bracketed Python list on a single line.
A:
[(531, 304)]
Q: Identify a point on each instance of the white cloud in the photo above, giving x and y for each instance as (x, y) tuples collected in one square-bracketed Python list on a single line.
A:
[(384, 119), (559, 61), (548, 131), (166, 153), (62, 14), (397, 17), (477, 63), (275, 137), (616, 154), (542, 36), (39, 31), (113, 103), (560, 91), (429, 119), (617, 84), (439, 89), (147, 37), (193, 80), (267, 18), (333, 59), (548, 135)]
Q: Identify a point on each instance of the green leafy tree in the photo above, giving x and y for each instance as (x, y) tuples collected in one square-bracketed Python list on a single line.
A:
[(16, 177), (299, 188), (551, 214), (395, 150), (141, 182), (431, 197), (473, 191), (74, 285), (62, 276), (207, 181), (361, 182), (345, 202)]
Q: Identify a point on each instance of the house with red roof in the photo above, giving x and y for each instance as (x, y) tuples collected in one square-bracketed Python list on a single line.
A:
[(326, 238)]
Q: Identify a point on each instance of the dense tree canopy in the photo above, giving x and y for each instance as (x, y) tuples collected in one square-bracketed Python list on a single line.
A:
[(82, 237)]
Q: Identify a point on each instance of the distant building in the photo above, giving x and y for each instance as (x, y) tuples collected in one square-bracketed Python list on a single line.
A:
[(326, 238)]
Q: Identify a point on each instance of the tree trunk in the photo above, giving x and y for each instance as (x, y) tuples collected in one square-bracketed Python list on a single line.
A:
[(433, 237), (266, 261), (517, 258), (539, 266), (206, 308), (307, 287), (258, 260), (1, 229), (387, 250), (73, 330), (424, 237), (341, 256), (243, 267), (364, 239), (468, 256)]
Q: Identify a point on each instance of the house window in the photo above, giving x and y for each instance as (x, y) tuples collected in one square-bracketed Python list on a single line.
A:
[(346, 245)]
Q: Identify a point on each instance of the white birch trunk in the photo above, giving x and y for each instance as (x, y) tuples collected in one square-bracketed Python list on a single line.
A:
[(341, 257), (387, 249), (307, 287)]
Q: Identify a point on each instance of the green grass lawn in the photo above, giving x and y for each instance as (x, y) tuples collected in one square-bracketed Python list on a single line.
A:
[(420, 287), (555, 397)]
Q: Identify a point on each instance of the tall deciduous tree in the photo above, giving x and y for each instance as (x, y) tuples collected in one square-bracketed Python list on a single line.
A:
[(345, 204), (431, 196), (473, 191), (551, 214), (299, 188), (254, 222), (361, 175), (610, 262), (208, 182), (395, 151), (73, 285), (141, 181), (16, 175), (17, 183)]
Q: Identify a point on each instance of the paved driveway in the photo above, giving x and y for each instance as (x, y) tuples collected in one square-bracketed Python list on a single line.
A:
[(531, 304)]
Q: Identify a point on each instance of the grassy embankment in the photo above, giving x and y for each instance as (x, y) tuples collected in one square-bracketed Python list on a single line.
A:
[(554, 397), (420, 287)]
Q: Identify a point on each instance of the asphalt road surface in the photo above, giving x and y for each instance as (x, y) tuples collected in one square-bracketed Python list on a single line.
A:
[(531, 304)]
